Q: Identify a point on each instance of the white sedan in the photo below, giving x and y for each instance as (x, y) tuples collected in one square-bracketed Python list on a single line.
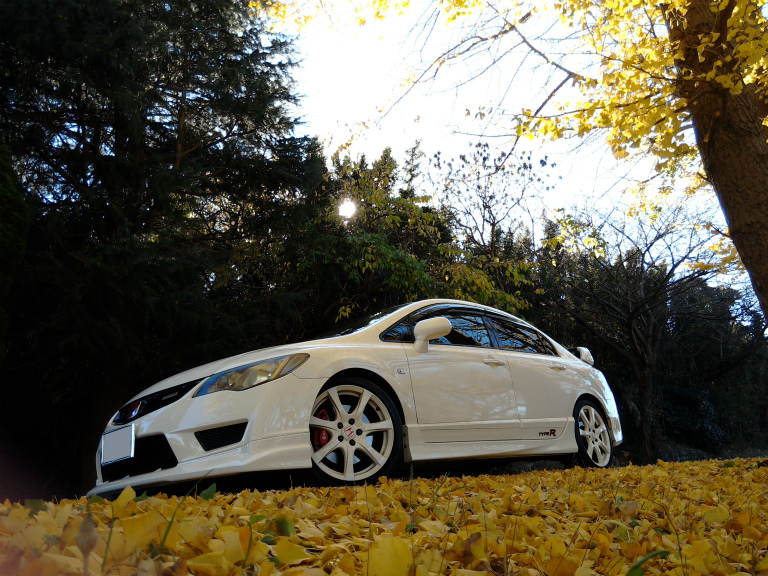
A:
[(430, 380)]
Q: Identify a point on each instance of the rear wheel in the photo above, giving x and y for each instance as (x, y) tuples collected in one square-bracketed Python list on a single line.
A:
[(592, 436), (355, 432)]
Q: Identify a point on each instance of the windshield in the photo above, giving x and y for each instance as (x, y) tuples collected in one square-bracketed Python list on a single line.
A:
[(361, 323)]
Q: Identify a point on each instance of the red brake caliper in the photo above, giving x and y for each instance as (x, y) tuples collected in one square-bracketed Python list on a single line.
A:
[(320, 437)]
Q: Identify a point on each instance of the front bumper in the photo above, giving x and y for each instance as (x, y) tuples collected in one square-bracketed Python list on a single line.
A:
[(277, 453), (263, 428), (616, 432)]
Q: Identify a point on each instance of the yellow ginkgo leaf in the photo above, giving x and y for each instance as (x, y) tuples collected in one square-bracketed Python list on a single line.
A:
[(141, 529), (127, 495), (389, 557), (559, 566), (233, 551), (288, 552), (210, 564), (717, 515), (434, 528)]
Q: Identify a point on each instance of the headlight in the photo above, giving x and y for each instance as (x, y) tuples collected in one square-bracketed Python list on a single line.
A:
[(250, 375)]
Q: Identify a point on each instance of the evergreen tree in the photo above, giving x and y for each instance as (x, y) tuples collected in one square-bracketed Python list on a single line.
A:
[(14, 225), (412, 170), (153, 141)]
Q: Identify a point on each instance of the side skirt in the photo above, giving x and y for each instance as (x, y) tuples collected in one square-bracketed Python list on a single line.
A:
[(417, 450)]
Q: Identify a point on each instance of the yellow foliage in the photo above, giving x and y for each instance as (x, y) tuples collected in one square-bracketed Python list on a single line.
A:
[(712, 518)]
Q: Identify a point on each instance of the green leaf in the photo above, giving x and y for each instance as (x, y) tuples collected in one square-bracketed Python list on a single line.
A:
[(141, 498), (154, 551), (269, 540), (35, 506), (284, 526), (637, 568), (256, 518), (96, 499), (209, 492), (248, 551), (275, 561)]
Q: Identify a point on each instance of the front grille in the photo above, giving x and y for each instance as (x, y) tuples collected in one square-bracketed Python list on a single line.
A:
[(150, 453), (223, 436), (152, 402)]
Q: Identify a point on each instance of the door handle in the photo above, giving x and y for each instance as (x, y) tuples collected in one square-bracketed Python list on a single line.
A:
[(557, 367), (493, 361)]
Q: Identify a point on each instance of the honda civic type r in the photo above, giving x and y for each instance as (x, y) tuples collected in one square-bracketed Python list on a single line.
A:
[(430, 380)]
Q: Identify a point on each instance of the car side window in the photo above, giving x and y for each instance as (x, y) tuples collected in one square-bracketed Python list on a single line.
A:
[(400, 332), (467, 330), (520, 338)]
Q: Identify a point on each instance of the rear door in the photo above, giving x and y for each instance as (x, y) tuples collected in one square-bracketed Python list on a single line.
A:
[(543, 382)]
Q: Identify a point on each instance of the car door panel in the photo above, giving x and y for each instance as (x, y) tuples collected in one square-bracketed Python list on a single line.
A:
[(462, 387), (452, 385)]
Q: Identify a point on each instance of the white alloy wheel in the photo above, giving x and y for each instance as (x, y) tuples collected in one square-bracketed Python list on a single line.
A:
[(592, 435), (355, 432)]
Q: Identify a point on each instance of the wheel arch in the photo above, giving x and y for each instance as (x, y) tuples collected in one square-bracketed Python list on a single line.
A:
[(600, 404), (373, 377)]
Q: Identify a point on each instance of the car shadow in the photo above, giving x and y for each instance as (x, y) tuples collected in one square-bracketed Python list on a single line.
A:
[(288, 479)]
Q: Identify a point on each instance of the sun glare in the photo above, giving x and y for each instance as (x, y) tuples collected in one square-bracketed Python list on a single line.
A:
[(347, 209)]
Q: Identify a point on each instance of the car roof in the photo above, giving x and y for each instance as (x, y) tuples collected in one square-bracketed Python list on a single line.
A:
[(420, 304)]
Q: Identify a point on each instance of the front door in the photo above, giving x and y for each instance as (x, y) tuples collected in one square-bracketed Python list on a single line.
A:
[(462, 386)]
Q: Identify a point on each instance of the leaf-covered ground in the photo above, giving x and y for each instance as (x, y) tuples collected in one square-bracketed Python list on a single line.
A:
[(679, 518)]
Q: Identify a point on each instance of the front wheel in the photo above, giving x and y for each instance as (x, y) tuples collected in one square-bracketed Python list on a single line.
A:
[(592, 436), (355, 432)]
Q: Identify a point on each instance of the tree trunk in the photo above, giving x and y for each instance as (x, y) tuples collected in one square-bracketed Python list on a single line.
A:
[(648, 432), (730, 139), (735, 157)]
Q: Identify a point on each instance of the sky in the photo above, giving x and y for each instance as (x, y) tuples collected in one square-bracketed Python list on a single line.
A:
[(350, 75)]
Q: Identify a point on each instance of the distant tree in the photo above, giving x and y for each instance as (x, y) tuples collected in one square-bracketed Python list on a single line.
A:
[(618, 284), (394, 249), (487, 198), (712, 361)]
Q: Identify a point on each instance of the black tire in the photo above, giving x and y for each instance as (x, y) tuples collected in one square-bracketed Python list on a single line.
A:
[(355, 432), (592, 436)]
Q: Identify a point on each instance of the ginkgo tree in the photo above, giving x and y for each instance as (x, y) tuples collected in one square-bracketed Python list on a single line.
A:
[(683, 82)]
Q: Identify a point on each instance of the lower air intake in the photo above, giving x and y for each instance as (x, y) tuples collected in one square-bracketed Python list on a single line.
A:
[(219, 437)]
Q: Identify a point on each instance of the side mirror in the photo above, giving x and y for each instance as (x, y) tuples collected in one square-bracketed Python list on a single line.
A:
[(430, 329), (585, 355)]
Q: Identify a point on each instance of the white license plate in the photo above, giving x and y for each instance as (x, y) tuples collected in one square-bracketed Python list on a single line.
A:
[(117, 445)]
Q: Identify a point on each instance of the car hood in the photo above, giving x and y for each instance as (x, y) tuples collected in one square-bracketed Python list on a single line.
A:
[(201, 372)]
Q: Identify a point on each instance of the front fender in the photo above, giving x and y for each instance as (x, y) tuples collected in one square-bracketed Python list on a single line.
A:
[(386, 360)]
